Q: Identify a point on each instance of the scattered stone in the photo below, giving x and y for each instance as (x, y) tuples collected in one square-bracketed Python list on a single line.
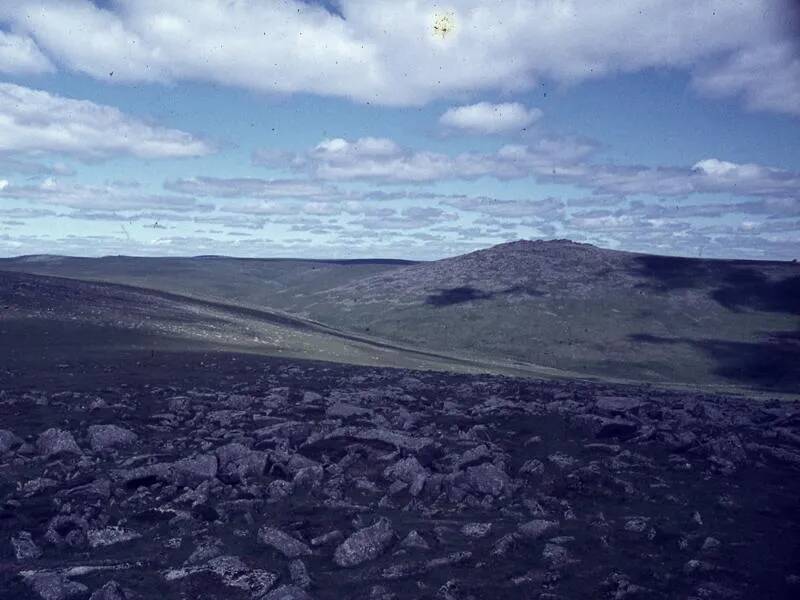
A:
[(108, 437), (299, 573), (476, 530), (53, 586), (537, 528), (288, 592), (487, 479), (365, 544), (328, 538), (8, 441), (193, 471), (414, 540), (108, 536), (55, 442), (111, 591), (24, 546), (287, 545)]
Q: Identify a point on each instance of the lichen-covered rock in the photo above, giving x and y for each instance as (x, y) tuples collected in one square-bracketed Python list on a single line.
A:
[(111, 591), (24, 546), (53, 586), (8, 440), (288, 592), (107, 437), (57, 441), (193, 471), (537, 528), (237, 462), (284, 543), (108, 536), (486, 479), (365, 544)]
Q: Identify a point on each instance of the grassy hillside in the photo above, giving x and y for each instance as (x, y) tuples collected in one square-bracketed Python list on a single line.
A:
[(48, 321), (246, 282), (561, 305)]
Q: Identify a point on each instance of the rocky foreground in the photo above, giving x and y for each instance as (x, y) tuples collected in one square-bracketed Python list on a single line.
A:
[(236, 478)]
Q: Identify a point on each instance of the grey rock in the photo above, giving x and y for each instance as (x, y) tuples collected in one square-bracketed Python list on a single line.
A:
[(145, 475), (487, 479), (619, 405), (109, 536), (345, 410), (237, 462), (365, 544), (57, 441), (502, 546), (288, 592), (555, 555), (299, 573), (284, 543), (107, 437), (308, 478), (474, 456), (193, 471), (279, 489), (476, 530), (110, 591), (8, 441), (532, 467), (422, 446), (54, 586), (327, 538), (537, 528), (405, 470), (24, 546), (414, 541)]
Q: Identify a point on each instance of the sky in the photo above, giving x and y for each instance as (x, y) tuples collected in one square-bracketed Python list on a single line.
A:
[(403, 129)]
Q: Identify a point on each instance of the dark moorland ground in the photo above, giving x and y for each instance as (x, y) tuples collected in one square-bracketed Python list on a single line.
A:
[(225, 476)]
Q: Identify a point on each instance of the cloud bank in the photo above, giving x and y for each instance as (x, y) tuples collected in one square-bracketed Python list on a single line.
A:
[(367, 48)]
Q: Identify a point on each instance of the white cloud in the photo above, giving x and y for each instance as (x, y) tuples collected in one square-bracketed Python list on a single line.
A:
[(98, 197), (20, 55), (382, 160), (488, 118), (766, 76), (388, 51), (250, 187), (36, 121)]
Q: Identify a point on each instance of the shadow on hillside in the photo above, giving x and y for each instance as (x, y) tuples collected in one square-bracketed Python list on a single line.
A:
[(771, 364), (736, 285), (751, 289), (459, 295)]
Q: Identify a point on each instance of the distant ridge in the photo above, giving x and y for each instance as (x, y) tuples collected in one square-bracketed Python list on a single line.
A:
[(558, 304)]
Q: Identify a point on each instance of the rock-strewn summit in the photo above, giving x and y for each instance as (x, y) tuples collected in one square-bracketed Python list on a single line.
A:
[(230, 477)]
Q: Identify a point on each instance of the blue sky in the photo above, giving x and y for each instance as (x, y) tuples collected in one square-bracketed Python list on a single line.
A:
[(402, 129)]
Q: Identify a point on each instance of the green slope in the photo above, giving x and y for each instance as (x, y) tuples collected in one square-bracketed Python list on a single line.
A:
[(560, 305)]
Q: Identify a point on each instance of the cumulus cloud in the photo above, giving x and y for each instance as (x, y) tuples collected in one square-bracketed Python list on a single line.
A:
[(365, 48), (551, 159), (33, 121), (19, 55), (413, 217), (507, 209), (382, 160), (488, 118), (95, 197), (249, 187), (767, 77)]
